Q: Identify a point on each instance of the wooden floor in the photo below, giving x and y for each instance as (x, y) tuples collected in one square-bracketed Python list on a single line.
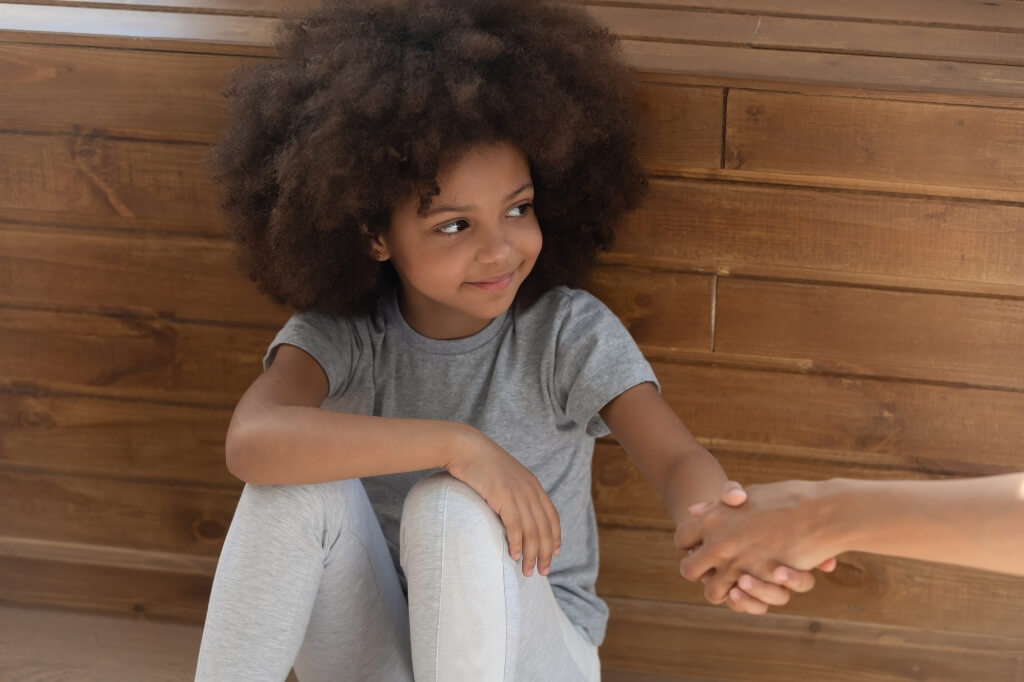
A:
[(38, 645)]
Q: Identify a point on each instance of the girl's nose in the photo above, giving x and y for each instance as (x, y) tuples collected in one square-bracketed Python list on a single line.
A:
[(495, 246)]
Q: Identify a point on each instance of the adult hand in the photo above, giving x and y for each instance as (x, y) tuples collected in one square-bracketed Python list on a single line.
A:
[(735, 561)]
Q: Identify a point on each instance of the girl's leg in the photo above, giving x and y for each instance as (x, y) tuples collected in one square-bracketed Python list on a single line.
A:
[(305, 578), (473, 616)]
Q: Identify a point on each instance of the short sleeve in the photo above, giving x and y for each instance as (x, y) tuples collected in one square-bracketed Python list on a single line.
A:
[(596, 360), (331, 340)]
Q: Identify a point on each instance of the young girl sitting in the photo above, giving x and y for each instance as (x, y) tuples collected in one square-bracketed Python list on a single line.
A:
[(423, 182)]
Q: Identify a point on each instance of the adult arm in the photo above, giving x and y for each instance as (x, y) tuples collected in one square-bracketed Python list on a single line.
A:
[(975, 522)]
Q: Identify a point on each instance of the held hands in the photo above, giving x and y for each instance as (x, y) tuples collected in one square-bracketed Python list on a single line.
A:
[(530, 519), (753, 547)]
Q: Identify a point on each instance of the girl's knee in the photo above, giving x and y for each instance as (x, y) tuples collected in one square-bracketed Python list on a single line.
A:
[(310, 503), (445, 506)]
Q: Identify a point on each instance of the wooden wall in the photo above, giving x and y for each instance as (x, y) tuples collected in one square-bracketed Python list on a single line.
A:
[(828, 276)]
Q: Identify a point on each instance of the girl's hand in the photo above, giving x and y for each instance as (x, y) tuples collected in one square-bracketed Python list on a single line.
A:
[(530, 518)]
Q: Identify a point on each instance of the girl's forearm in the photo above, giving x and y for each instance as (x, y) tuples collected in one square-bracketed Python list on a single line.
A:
[(292, 445), (976, 522), (694, 476)]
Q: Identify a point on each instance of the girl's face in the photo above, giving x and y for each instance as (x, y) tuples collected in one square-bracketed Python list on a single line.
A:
[(462, 262)]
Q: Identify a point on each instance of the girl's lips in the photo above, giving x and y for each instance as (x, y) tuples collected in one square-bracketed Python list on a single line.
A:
[(494, 283)]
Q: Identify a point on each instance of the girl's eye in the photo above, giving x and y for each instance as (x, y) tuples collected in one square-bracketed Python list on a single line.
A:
[(521, 210), (453, 227)]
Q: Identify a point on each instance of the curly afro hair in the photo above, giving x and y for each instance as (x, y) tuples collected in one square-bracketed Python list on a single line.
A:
[(368, 102)]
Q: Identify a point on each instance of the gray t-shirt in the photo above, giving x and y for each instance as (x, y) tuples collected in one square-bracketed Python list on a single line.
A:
[(533, 381)]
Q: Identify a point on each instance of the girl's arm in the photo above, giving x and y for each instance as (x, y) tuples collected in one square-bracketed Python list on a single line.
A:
[(679, 469), (279, 435), (974, 522), (683, 473)]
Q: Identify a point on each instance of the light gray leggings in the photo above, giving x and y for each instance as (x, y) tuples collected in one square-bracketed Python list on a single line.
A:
[(305, 578)]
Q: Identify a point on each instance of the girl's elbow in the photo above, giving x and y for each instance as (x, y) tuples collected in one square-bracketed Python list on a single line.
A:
[(239, 453)]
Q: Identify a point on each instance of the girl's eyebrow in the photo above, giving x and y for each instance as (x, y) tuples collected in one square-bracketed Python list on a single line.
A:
[(462, 209)]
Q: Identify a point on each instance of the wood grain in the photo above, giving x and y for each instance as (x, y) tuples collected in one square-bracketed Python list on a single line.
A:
[(961, 339), (855, 74), (130, 274), (644, 564), (668, 309), (682, 125), (861, 138), (129, 356), (828, 234), (883, 423), (128, 592), (996, 16), (716, 644), (119, 439), (137, 515), (139, 94), (90, 180)]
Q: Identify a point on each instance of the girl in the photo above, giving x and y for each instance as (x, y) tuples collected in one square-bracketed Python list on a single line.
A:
[(424, 182)]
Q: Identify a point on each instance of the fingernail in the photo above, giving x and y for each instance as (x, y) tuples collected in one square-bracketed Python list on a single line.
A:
[(781, 574), (746, 582), (696, 508), (735, 594), (558, 550)]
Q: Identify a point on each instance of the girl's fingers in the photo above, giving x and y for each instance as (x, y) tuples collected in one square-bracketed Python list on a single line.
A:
[(553, 521), (790, 578), (733, 494), (548, 538), (741, 602), (531, 539), (765, 592), (511, 518)]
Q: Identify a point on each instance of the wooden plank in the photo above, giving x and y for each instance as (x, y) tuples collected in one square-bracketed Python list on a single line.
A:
[(875, 332), (106, 555), (126, 28), (95, 181), (1001, 15), (114, 438), (114, 273), (644, 564), (896, 240), (882, 423), (858, 74), (127, 514), (664, 308), (683, 125), (129, 357), (263, 8), (675, 639), (52, 644), (812, 35), (873, 139), (141, 94), (921, 42), (128, 592), (637, 23)]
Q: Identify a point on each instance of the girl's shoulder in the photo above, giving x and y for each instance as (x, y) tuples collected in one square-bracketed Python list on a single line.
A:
[(564, 307)]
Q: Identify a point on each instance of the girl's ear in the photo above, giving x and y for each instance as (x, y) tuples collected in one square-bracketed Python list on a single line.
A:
[(379, 248)]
